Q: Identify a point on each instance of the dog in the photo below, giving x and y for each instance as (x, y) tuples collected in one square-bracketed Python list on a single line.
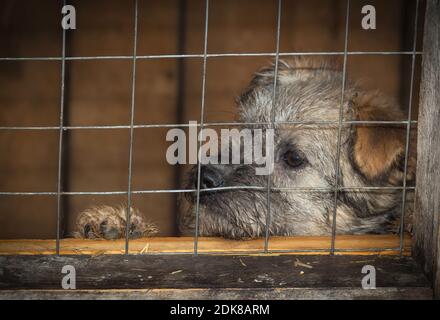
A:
[(306, 156)]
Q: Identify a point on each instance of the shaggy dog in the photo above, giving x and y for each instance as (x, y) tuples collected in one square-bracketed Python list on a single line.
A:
[(306, 158)]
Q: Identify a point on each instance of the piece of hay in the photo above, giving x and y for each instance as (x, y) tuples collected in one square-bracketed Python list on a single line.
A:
[(298, 263), (145, 249)]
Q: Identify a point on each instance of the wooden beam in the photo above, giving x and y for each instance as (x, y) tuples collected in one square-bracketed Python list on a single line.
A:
[(427, 202), (356, 244), (409, 293), (211, 277)]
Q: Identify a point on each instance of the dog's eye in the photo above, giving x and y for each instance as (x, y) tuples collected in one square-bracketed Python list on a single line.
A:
[(293, 159)]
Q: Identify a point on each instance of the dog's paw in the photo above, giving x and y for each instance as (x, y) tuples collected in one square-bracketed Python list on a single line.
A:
[(107, 222)]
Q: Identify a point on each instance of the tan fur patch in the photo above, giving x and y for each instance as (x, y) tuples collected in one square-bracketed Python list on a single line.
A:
[(378, 147)]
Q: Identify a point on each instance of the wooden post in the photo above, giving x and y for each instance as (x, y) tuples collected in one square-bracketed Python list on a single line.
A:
[(427, 205)]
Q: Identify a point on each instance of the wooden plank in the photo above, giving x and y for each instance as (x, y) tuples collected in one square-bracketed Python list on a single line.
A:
[(357, 244), (207, 276), (222, 294), (427, 203)]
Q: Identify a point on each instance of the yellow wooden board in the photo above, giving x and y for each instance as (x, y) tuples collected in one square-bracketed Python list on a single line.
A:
[(348, 244)]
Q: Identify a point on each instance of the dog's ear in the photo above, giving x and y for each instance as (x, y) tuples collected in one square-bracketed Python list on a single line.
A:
[(379, 149)]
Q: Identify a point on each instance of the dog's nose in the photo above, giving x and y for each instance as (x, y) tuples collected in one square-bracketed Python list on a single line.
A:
[(210, 178)]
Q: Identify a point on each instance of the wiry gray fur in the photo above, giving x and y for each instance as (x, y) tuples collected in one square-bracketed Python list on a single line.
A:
[(310, 92)]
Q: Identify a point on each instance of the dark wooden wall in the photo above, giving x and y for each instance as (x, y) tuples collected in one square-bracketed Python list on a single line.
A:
[(427, 203), (98, 91)]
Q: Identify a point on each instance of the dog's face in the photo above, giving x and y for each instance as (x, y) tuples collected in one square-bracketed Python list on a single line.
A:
[(305, 156)]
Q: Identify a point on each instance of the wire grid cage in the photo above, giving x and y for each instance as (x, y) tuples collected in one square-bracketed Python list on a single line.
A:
[(61, 128)]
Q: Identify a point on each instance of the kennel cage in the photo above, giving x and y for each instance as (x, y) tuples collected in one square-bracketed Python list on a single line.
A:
[(150, 251)]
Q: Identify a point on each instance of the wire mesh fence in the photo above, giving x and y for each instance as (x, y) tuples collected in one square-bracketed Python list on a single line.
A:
[(205, 56)]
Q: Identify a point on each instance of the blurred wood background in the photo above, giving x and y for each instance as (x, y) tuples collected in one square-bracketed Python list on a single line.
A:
[(98, 92)]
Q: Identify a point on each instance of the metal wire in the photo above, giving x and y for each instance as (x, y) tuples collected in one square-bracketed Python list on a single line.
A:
[(341, 115), (408, 129), (211, 55), (231, 188), (202, 116), (60, 140), (208, 124), (205, 55), (132, 112), (272, 121)]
